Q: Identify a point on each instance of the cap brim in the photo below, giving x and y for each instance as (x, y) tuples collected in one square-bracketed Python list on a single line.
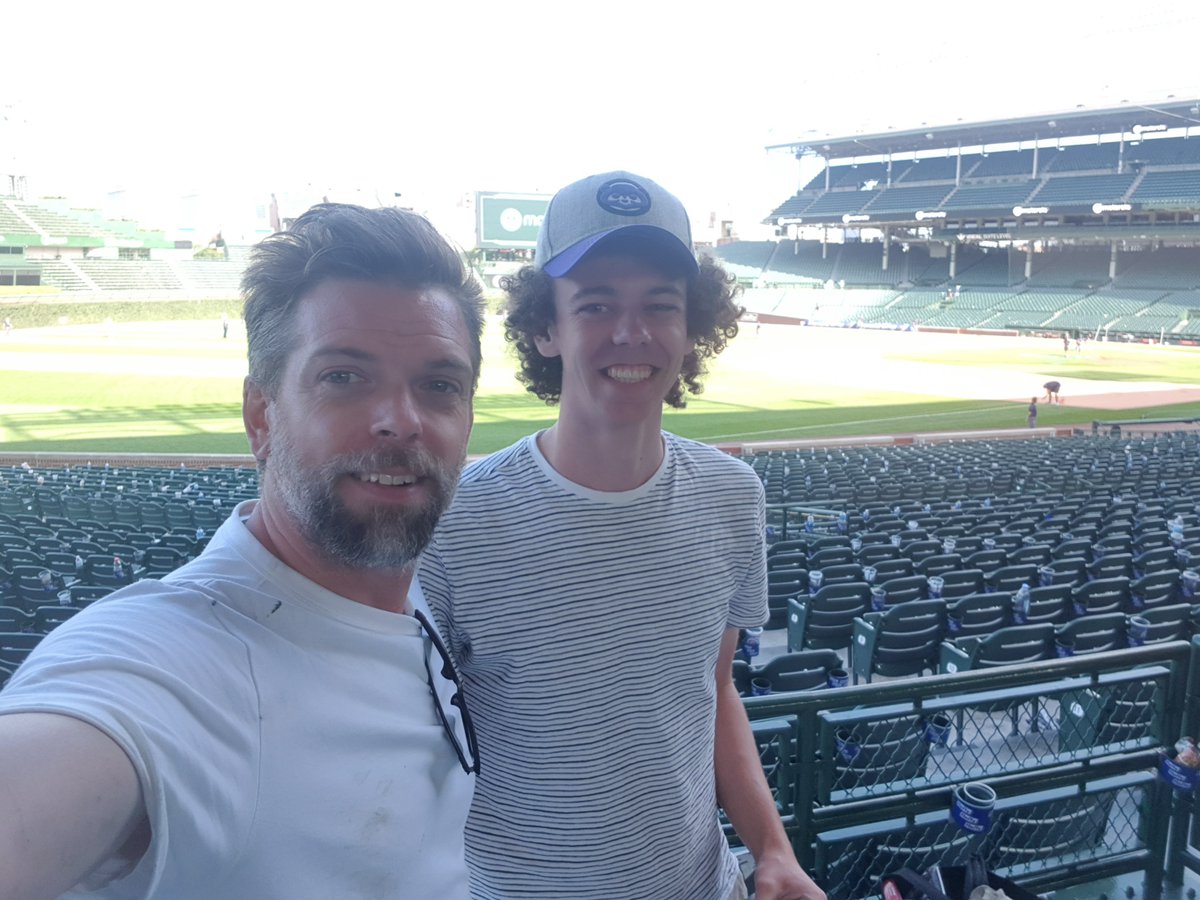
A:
[(656, 239)]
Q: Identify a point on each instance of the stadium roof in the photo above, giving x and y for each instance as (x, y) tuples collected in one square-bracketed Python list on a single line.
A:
[(1130, 118)]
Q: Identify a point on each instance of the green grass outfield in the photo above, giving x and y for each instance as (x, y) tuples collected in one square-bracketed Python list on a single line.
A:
[(175, 387)]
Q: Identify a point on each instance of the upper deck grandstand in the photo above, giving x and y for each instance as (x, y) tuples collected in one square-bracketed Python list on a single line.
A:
[(1087, 219)]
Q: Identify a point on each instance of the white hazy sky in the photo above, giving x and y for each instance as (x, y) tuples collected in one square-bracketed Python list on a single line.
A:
[(439, 99)]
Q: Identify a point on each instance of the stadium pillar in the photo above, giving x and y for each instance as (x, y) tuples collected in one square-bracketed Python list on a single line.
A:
[(889, 170), (958, 166), (1033, 174), (953, 259), (1028, 260), (1121, 158), (1112, 262), (887, 245)]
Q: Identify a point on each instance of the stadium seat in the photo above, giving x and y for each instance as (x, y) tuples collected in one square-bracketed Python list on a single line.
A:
[(805, 670), (1093, 633), (977, 614), (826, 620), (901, 640), (1006, 646), (1101, 596)]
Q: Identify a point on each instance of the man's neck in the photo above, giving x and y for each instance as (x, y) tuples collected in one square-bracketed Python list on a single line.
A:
[(382, 589), (604, 459)]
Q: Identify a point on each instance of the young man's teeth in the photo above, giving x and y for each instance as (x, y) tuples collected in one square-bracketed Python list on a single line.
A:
[(380, 478), (629, 374)]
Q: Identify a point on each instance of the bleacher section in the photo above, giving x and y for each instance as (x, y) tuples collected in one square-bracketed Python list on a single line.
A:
[(990, 196), (798, 261), (130, 275), (1082, 190), (1168, 267), (1006, 164), (1163, 174), (203, 275), (908, 199), (1079, 158), (862, 263), (1076, 267), (1179, 188), (837, 203)]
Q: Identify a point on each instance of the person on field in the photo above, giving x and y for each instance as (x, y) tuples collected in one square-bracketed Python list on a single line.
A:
[(1052, 388), (1032, 419), (278, 717), (593, 579)]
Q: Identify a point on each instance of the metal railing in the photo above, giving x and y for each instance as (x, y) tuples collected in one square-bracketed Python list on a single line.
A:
[(865, 776)]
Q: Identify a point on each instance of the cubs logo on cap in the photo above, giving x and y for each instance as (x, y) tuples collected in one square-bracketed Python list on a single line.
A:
[(584, 214), (623, 197)]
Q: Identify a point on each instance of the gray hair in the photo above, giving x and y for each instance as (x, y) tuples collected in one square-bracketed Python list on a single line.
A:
[(338, 240)]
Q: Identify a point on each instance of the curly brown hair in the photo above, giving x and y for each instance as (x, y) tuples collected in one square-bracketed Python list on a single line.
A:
[(712, 321)]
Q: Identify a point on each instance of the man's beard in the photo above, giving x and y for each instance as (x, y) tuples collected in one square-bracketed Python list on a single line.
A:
[(383, 537)]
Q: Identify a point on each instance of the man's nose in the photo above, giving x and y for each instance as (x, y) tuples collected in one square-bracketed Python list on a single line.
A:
[(396, 414), (630, 328)]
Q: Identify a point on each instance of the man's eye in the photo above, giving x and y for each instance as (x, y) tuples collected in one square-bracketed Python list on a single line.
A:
[(341, 377), (593, 308), (441, 386)]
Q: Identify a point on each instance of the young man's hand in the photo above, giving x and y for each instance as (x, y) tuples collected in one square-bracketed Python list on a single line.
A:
[(781, 878)]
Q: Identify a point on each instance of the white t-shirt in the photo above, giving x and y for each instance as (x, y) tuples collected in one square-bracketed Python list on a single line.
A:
[(285, 737)]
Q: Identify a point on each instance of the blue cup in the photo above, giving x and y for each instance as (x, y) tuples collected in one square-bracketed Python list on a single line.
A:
[(869, 574), (1180, 777), (1136, 629), (1064, 647), (936, 583), (878, 598), (1189, 582), (937, 729), (971, 806), (1046, 576), (815, 577), (837, 678), (848, 744), (759, 687), (751, 642)]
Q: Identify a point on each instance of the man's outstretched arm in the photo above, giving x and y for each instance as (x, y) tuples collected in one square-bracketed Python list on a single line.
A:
[(743, 793), (71, 802)]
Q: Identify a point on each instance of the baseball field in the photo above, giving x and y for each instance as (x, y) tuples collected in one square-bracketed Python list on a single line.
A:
[(175, 387)]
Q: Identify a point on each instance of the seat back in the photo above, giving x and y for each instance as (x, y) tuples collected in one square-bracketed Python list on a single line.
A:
[(908, 638), (1094, 633), (938, 564), (830, 615), (805, 670), (961, 582), (1011, 577), (977, 614), (1014, 644), (1100, 596)]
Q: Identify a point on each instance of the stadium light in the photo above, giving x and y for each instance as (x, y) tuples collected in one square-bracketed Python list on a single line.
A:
[(1030, 210), (1143, 129), (932, 214), (847, 218), (1098, 208)]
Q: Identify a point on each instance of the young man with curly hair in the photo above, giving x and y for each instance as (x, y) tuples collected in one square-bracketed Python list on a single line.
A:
[(593, 578)]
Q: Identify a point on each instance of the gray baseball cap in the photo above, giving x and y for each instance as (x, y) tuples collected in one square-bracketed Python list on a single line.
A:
[(587, 212)]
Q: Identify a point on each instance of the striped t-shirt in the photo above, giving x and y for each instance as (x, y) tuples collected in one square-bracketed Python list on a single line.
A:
[(586, 626)]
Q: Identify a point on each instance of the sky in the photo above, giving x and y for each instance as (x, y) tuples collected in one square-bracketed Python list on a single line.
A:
[(437, 100)]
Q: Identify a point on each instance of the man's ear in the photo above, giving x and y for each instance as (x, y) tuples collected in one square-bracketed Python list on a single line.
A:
[(254, 417), (547, 343)]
